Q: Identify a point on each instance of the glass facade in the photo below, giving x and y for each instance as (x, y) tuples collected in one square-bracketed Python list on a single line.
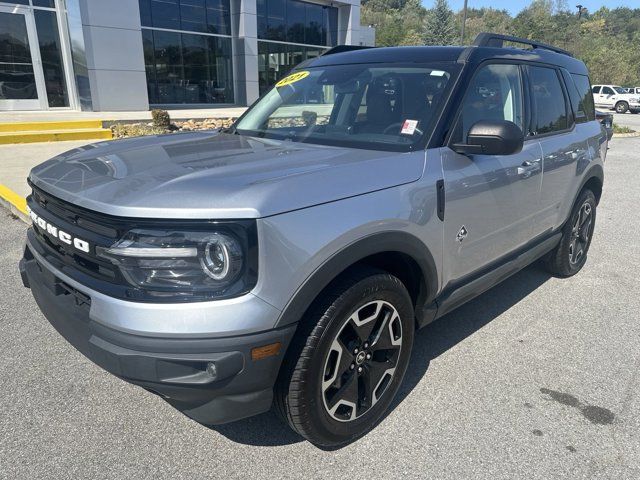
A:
[(289, 32), (275, 60), (51, 56), (32, 67), (192, 63), (17, 76), (297, 22)]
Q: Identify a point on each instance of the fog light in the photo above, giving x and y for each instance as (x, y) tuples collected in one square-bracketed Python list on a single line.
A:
[(212, 370)]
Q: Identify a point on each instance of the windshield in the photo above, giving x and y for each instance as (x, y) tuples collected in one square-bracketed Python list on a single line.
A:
[(374, 106), (619, 89)]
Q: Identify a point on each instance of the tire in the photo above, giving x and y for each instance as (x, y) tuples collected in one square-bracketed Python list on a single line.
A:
[(622, 107), (570, 255), (322, 369)]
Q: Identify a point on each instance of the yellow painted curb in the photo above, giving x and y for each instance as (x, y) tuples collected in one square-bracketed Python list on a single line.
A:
[(15, 127), (55, 135), (15, 202)]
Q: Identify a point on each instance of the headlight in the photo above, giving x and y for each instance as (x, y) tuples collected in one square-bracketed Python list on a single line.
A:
[(187, 264)]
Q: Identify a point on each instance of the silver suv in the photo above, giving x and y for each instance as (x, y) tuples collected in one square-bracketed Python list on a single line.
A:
[(290, 259)]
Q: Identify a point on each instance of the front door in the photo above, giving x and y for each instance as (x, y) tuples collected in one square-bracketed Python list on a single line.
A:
[(606, 97), (490, 199), (21, 79)]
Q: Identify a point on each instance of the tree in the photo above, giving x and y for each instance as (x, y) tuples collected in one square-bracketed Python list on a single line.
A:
[(483, 20), (440, 28), (394, 26), (605, 39)]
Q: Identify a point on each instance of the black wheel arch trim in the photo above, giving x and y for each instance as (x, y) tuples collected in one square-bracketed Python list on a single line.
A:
[(355, 252), (596, 171)]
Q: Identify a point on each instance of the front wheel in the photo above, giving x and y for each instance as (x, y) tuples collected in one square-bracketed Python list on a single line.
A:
[(570, 255), (622, 107), (350, 366)]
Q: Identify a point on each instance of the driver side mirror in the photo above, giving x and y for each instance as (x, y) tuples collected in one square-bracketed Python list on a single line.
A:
[(492, 137)]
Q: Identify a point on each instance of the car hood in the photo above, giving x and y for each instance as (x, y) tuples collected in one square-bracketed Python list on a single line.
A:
[(217, 175)]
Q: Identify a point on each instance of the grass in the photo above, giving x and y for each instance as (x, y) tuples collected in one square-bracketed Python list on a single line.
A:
[(618, 129)]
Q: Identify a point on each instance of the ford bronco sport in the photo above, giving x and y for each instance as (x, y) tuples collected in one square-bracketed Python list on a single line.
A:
[(289, 259)]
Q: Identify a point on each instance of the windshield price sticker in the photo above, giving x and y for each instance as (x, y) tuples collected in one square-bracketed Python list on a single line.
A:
[(293, 78), (409, 127)]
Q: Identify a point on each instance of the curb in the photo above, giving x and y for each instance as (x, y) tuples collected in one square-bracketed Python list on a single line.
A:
[(16, 204), (626, 135)]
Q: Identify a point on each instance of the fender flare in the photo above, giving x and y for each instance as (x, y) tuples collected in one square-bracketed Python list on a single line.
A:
[(400, 242), (596, 171)]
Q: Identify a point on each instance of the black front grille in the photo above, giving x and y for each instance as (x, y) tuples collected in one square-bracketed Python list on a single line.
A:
[(102, 231), (79, 224)]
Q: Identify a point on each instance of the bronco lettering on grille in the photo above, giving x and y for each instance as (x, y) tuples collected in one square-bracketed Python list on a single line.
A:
[(55, 232)]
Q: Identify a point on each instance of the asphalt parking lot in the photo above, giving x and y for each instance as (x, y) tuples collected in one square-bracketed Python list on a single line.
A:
[(538, 378), (628, 119)]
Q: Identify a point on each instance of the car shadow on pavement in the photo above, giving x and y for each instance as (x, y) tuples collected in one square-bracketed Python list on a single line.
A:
[(430, 342)]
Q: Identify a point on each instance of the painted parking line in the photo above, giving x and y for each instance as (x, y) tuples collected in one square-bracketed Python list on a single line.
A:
[(16, 203)]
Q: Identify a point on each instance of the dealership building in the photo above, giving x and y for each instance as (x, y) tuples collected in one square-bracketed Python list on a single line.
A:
[(114, 55)]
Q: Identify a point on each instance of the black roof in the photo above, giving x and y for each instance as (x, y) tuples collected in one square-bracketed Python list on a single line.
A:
[(470, 54)]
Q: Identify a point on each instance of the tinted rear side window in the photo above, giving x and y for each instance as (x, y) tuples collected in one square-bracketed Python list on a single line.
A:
[(548, 100), (581, 98), (596, 89)]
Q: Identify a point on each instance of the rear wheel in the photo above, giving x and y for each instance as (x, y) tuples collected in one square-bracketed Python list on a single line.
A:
[(622, 107), (344, 373), (570, 255)]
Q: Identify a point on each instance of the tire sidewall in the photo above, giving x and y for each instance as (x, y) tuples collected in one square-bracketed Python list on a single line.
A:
[(587, 195), (370, 289), (624, 108)]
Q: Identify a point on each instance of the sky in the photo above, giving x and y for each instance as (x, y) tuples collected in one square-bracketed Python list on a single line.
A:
[(514, 6)]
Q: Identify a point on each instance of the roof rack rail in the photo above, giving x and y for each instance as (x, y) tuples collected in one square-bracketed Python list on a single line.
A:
[(486, 39), (344, 48)]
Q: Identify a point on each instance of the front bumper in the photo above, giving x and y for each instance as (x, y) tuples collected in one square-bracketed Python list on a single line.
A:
[(212, 380)]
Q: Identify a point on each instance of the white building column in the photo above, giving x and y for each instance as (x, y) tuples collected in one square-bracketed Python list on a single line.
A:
[(349, 23), (115, 59), (244, 29)]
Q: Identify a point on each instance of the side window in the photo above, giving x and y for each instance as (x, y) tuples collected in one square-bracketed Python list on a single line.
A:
[(548, 100), (607, 91), (596, 89), (581, 98), (495, 93)]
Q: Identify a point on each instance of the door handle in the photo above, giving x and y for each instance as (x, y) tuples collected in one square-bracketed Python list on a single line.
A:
[(524, 172), (526, 168)]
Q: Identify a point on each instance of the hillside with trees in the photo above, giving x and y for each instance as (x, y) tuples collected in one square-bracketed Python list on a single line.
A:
[(607, 40)]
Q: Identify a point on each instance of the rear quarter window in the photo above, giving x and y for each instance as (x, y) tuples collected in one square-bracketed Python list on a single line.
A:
[(581, 98)]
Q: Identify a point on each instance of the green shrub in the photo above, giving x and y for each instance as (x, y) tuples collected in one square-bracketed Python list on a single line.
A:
[(619, 129), (161, 118), (124, 130)]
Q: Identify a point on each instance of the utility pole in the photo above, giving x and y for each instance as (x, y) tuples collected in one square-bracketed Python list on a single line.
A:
[(464, 21), (580, 10)]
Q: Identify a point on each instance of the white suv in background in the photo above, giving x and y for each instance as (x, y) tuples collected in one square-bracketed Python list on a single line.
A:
[(616, 98)]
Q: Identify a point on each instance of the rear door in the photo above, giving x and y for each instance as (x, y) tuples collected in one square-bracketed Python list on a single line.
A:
[(489, 199), (564, 142)]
